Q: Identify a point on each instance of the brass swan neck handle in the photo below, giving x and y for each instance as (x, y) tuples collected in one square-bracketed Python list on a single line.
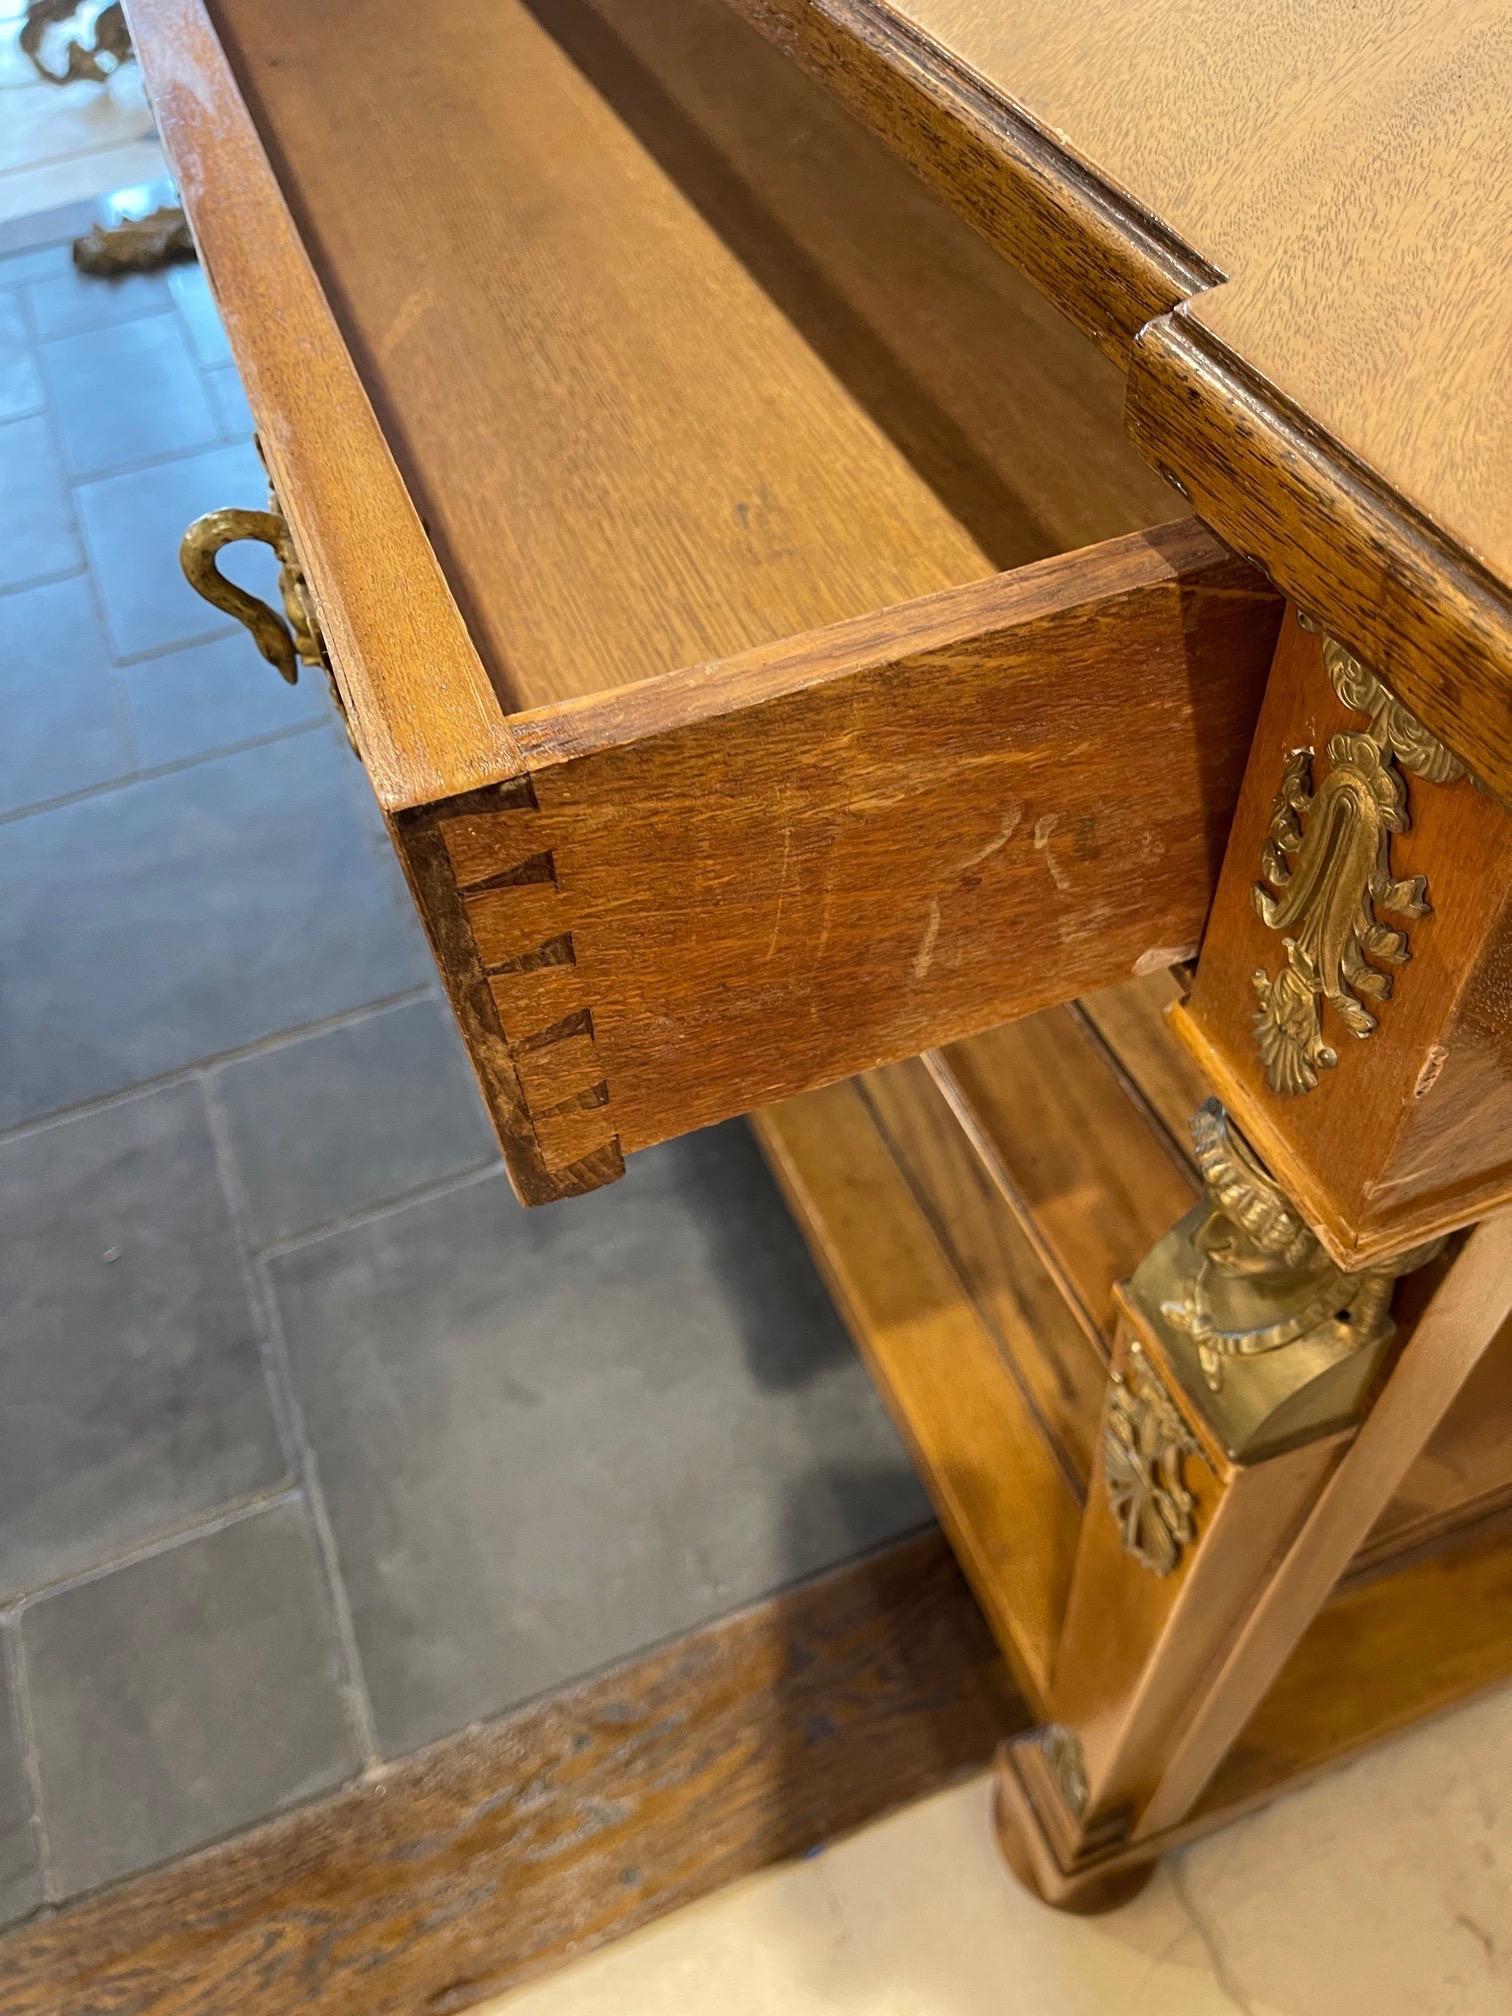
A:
[(285, 640)]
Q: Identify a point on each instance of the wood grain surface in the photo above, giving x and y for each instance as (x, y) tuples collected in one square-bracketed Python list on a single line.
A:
[(1011, 419), (1465, 1470), (1386, 1651), (1096, 1182), (1345, 171), (1305, 227), (627, 446), (1001, 1489), (499, 1853), (425, 716), (1471, 1301), (1388, 1648), (1132, 1021), (995, 1246), (1138, 1649), (838, 851), (1410, 1134)]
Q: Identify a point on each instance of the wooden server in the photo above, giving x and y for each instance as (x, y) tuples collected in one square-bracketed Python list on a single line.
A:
[(758, 613)]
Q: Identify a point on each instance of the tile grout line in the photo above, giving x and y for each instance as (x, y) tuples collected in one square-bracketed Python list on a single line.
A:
[(149, 773), (128, 661), (86, 152), (55, 438), (293, 1433), (31, 1755), (38, 1123), (202, 1526), (356, 1699), (144, 465), (120, 703), (228, 1168), (383, 1207), (141, 465), (40, 580)]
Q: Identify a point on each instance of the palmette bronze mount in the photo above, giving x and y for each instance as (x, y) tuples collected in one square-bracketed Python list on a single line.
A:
[(1327, 866), (1145, 1444)]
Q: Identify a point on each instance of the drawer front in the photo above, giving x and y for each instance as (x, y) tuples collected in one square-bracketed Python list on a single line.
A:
[(733, 884), (740, 882)]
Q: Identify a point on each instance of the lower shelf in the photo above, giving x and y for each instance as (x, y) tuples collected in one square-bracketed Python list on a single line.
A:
[(971, 1211), (1010, 1506), (1392, 1646)]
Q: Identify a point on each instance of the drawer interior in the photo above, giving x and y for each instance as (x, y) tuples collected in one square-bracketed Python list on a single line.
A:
[(674, 358), (743, 595)]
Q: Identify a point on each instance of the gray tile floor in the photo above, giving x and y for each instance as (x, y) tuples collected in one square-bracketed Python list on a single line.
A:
[(313, 1445)]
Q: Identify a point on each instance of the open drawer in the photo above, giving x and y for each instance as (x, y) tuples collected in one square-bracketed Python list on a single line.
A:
[(653, 447)]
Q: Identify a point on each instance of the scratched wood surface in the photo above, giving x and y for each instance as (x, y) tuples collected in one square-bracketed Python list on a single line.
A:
[(786, 868), (655, 403), (1296, 238), (499, 1853)]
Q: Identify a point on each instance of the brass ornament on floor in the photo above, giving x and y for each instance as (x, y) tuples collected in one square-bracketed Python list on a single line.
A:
[(135, 245), (1327, 866), (1145, 1444), (89, 62)]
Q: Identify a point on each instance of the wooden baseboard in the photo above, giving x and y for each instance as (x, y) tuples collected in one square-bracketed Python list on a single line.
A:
[(500, 1853)]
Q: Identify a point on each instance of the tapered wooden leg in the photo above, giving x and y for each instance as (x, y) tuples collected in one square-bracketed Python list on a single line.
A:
[(1285, 1353), (1201, 1564)]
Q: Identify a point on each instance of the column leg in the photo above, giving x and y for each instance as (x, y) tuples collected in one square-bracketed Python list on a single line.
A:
[(1262, 1410)]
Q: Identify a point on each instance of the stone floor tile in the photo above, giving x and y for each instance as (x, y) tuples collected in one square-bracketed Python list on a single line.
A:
[(913, 1916), (133, 1398), (39, 262), (182, 916), (547, 1438), (352, 1116), (62, 713), (126, 394), (20, 1873), (206, 697), (67, 300), (133, 524), (1384, 1889), (39, 530), (191, 290), (238, 421), (181, 1696), (20, 384)]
